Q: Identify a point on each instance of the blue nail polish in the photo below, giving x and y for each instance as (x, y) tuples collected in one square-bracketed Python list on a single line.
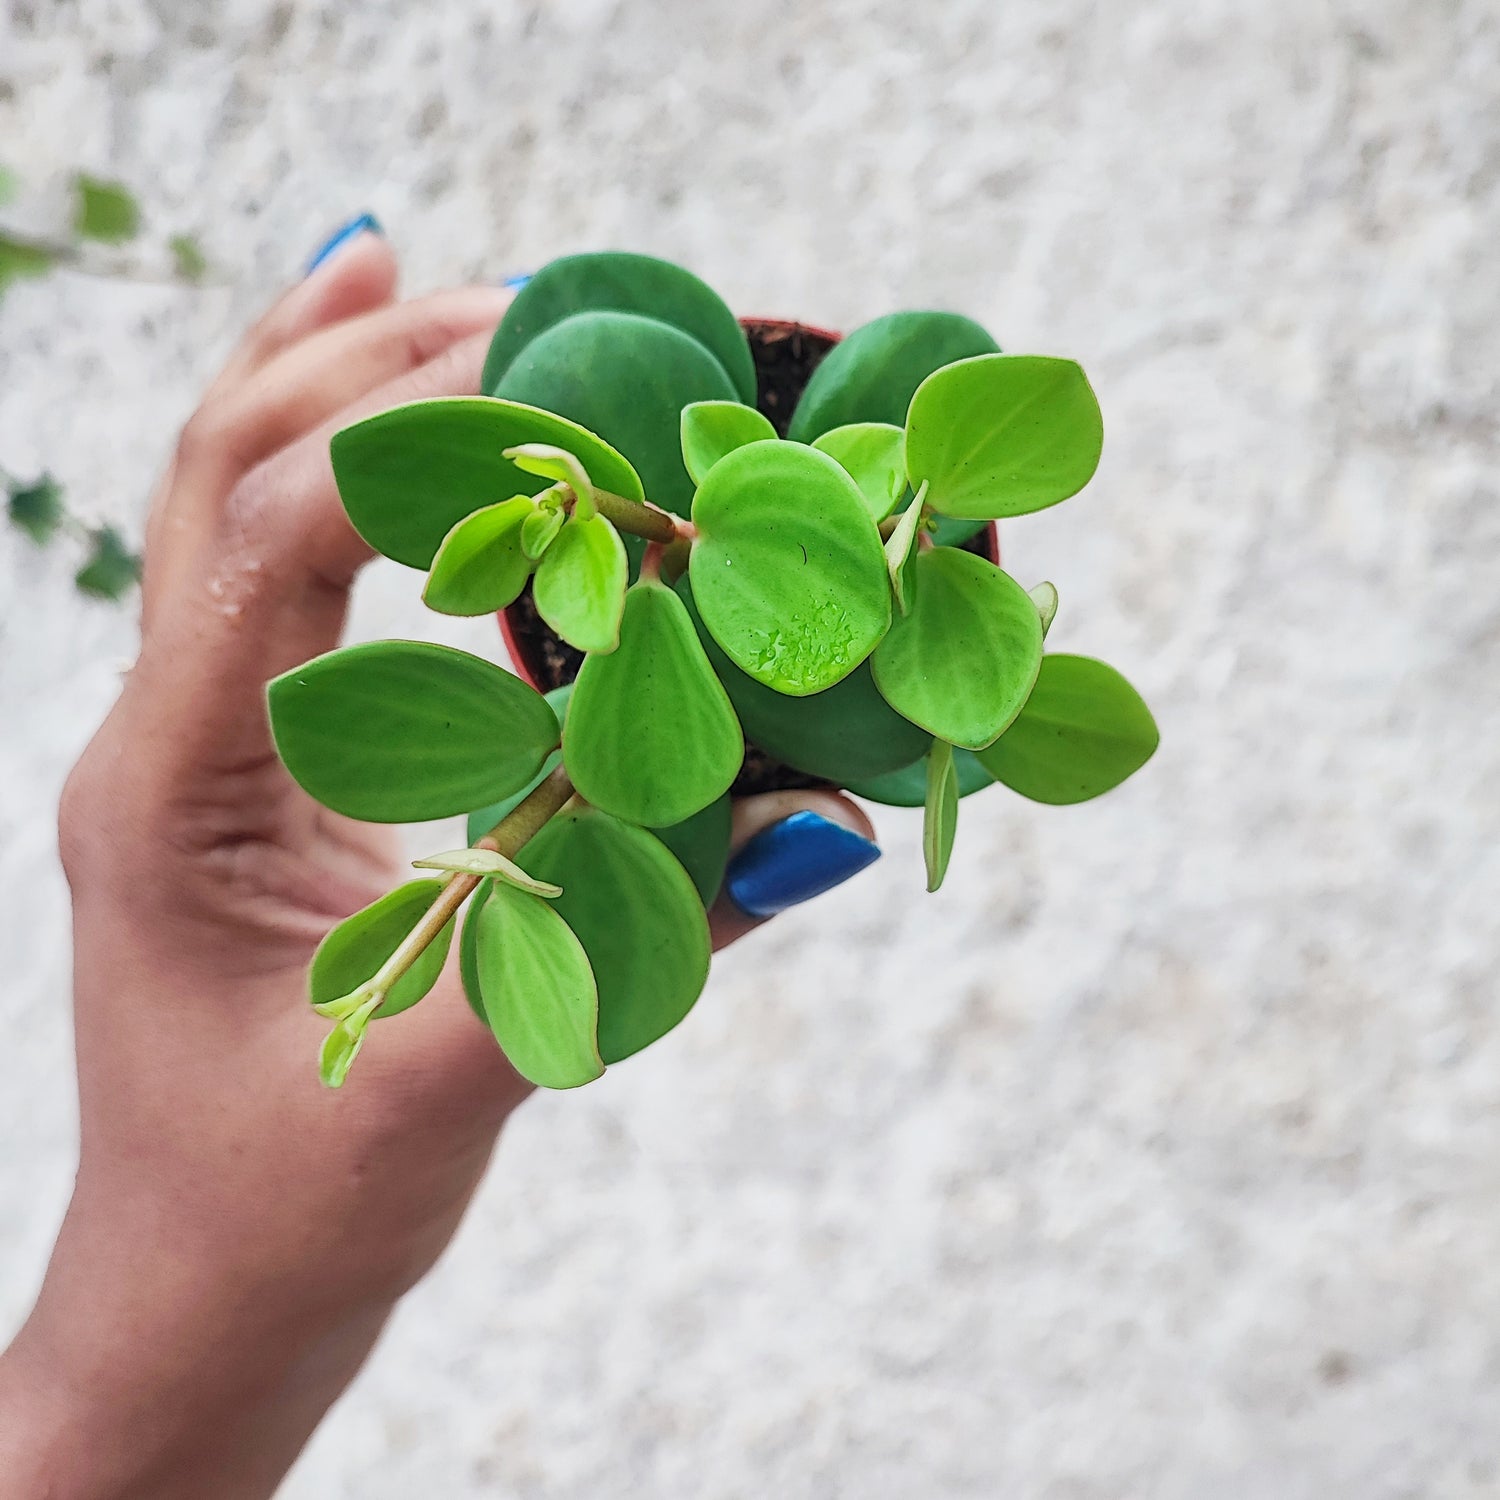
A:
[(361, 224), (515, 283), (794, 860)]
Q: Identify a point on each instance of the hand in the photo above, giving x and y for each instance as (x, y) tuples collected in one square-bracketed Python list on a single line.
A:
[(238, 1235)]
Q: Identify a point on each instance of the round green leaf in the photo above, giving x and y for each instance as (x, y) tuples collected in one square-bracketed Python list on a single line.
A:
[(961, 662), (788, 568), (871, 375), (357, 946), (940, 814), (873, 453), (480, 566), (627, 378), (580, 584), (710, 429), (483, 819), (844, 733), (409, 474), (907, 787), (402, 731), (537, 988), (1083, 731), (617, 281), (701, 844), (650, 734), (1003, 434), (539, 529), (638, 916)]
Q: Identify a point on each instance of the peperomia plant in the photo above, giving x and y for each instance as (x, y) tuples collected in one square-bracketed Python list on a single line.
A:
[(828, 598)]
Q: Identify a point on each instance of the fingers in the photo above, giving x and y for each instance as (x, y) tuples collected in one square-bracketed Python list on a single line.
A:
[(785, 848)]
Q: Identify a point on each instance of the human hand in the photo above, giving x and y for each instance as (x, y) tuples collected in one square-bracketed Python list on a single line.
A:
[(238, 1235)]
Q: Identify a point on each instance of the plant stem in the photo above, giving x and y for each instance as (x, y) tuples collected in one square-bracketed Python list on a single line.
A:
[(523, 822), (640, 520)]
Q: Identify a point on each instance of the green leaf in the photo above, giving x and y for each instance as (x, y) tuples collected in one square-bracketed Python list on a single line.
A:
[(843, 733), (898, 551), (488, 864), (408, 475), (1044, 596), (20, 259), (871, 375), (355, 949), (468, 951), (112, 569), (650, 734), (638, 916), (188, 258), (37, 509), (539, 530), (787, 568), (558, 465), (940, 815), (616, 281), (483, 819), (907, 787), (627, 378), (1003, 435), (701, 845), (480, 566), (873, 453), (710, 429), (963, 660), (580, 584), (104, 211), (538, 989), (402, 731), (1083, 731)]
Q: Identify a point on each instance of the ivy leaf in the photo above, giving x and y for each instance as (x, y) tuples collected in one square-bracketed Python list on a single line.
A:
[(1044, 596), (37, 509), (1003, 435), (710, 429), (480, 566), (787, 567), (538, 989), (874, 455), (355, 949), (188, 258), (112, 569), (651, 735), (403, 731), (940, 814), (104, 211), (1083, 731), (580, 584), (963, 660), (20, 259)]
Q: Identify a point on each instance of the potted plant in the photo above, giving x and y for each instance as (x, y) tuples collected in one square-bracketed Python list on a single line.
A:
[(702, 543)]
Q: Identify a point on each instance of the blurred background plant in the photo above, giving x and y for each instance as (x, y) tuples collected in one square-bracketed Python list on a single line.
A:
[(102, 217)]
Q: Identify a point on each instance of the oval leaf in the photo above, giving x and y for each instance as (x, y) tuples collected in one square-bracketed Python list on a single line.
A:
[(483, 819), (1083, 731), (638, 916), (940, 815), (650, 734), (701, 845), (872, 453), (356, 948), (480, 566), (907, 787), (788, 568), (626, 378), (1003, 435), (872, 374), (580, 584), (489, 864), (408, 475), (402, 731), (710, 429), (538, 990), (617, 281), (963, 660)]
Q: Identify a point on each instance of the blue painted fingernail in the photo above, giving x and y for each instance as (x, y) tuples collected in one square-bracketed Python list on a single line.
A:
[(515, 283), (794, 860), (360, 224)]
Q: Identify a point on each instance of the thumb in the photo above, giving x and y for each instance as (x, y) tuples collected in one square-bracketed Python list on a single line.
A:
[(786, 848)]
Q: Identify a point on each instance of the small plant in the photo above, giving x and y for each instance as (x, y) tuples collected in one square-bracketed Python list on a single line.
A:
[(815, 595)]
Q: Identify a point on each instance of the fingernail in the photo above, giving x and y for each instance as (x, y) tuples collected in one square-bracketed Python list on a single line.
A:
[(515, 283), (794, 860), (360, 224)]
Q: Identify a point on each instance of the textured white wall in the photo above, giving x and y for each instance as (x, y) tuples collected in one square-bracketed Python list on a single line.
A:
[(1160, 1154)]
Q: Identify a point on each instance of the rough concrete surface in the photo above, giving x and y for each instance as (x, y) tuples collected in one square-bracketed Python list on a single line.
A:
[(1159, 1155)]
